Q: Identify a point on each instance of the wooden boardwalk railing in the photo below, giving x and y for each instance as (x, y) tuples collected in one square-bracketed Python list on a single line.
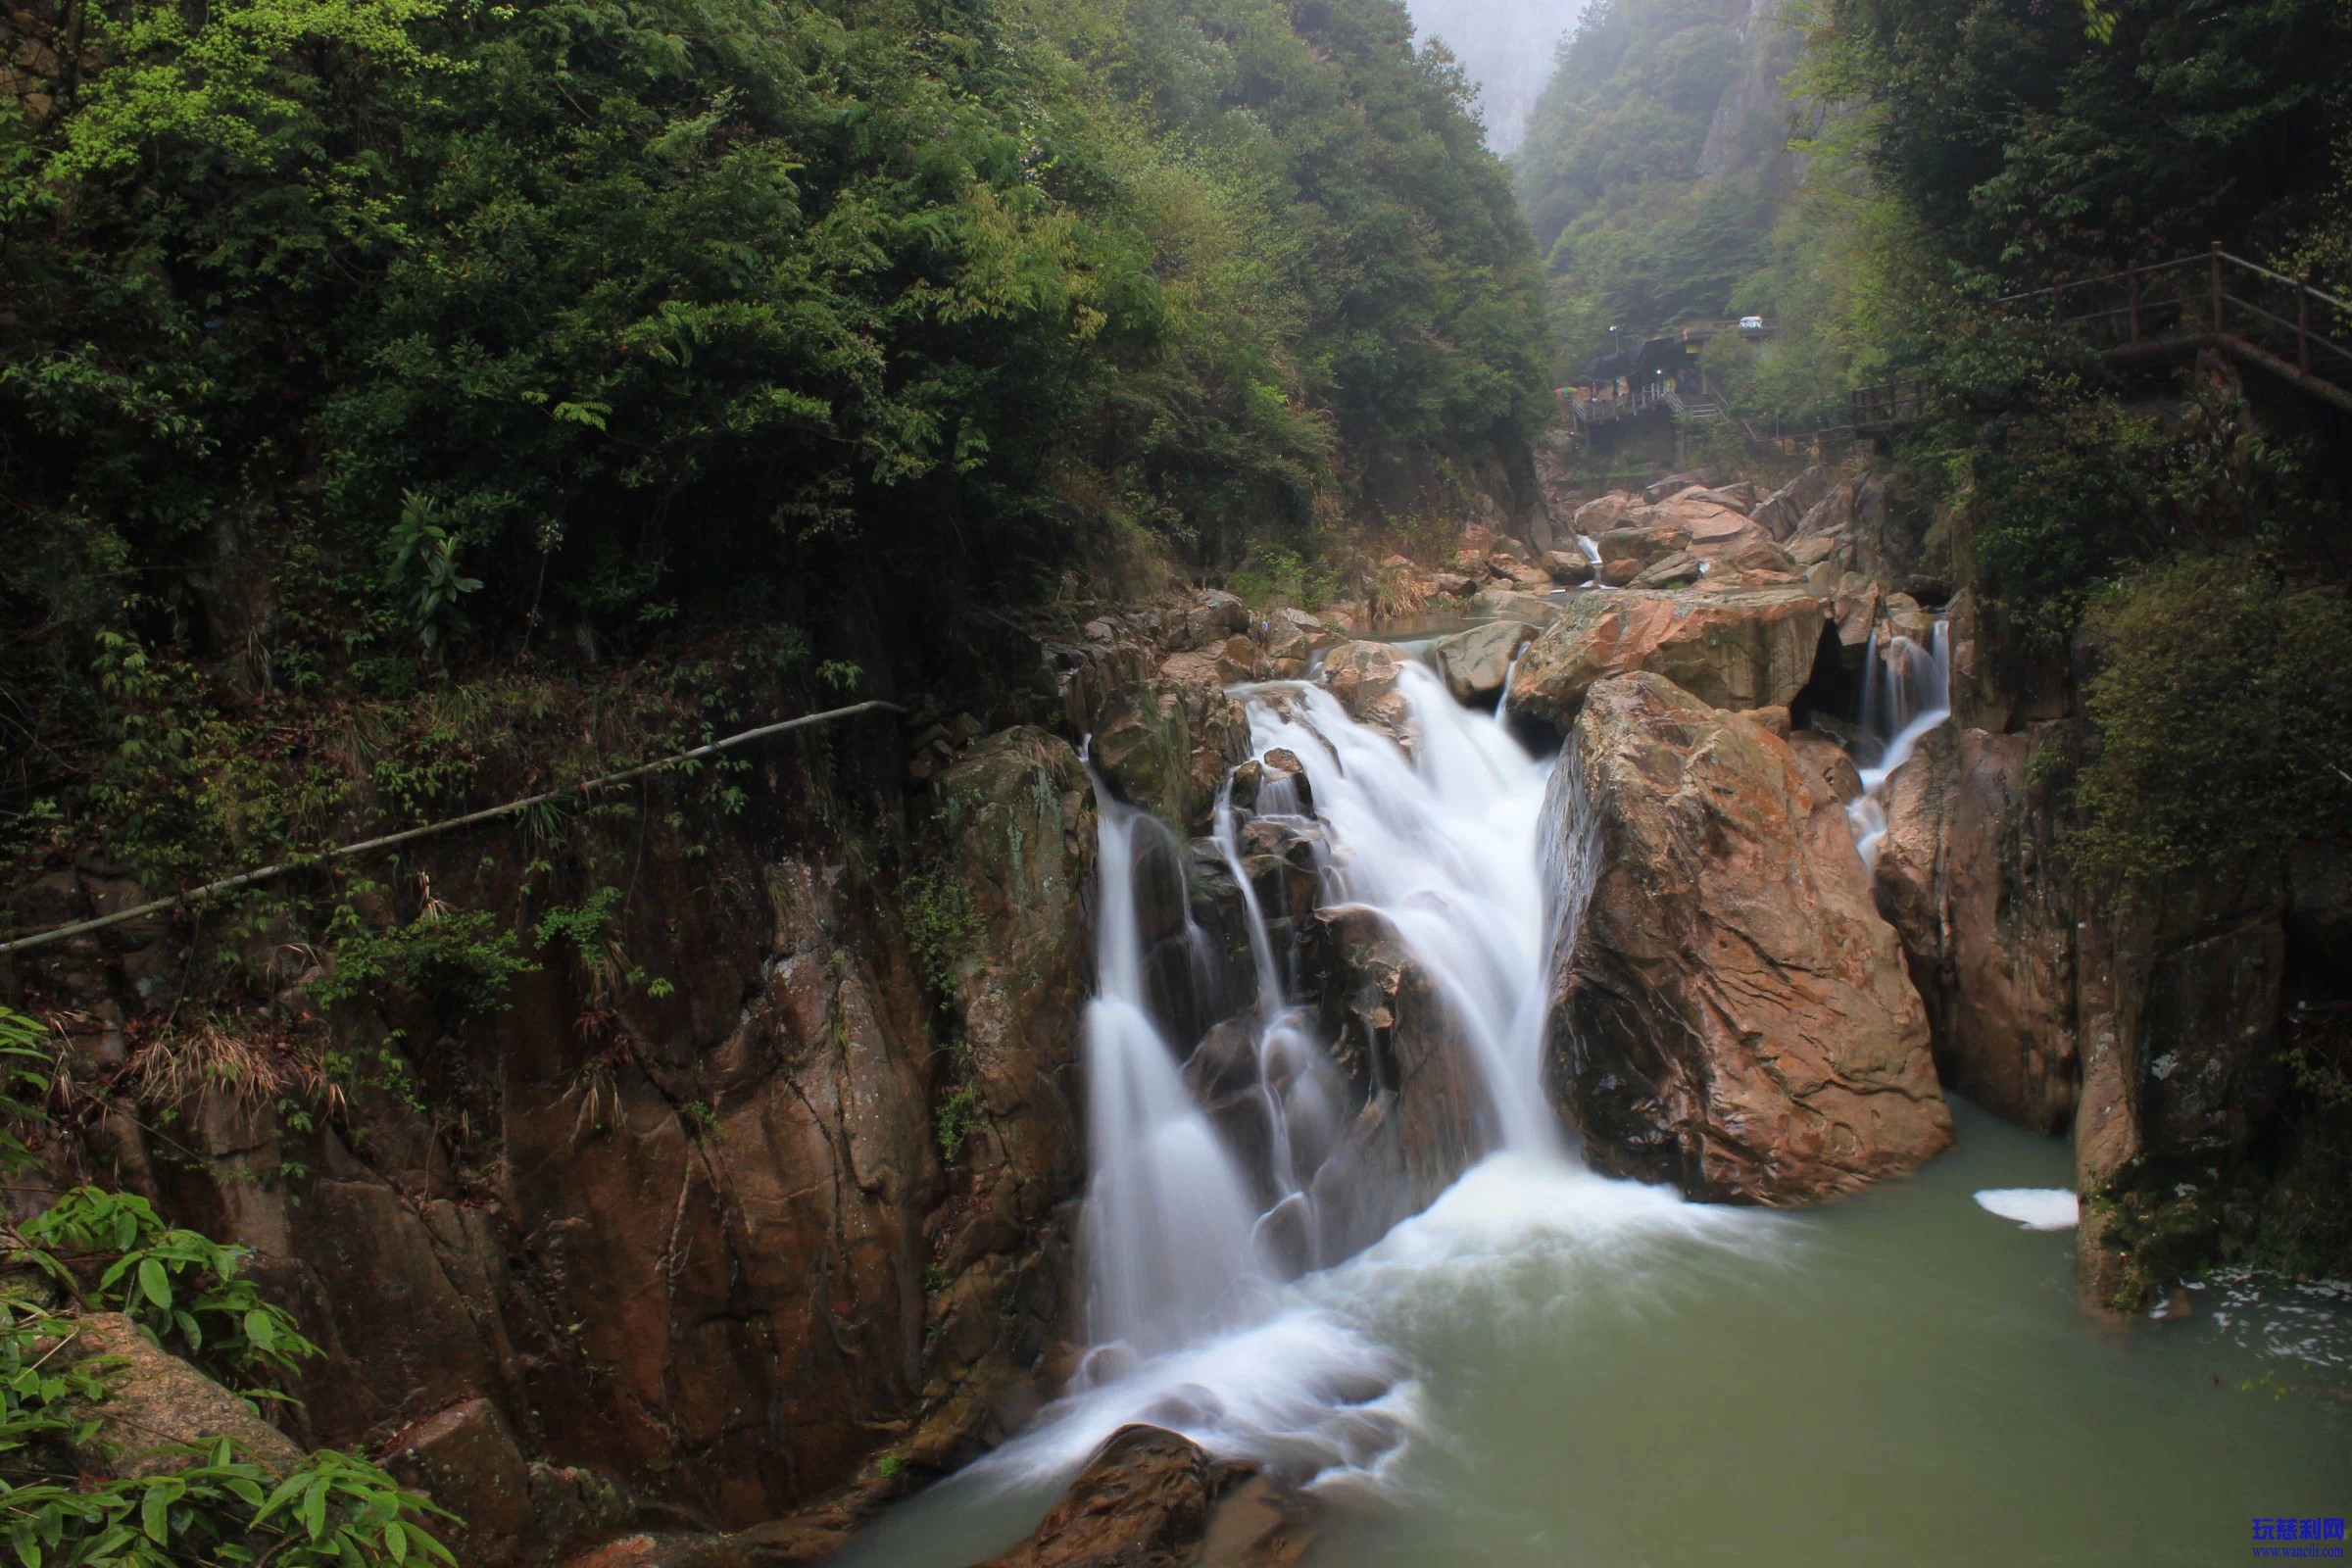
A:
[(2283, 325)]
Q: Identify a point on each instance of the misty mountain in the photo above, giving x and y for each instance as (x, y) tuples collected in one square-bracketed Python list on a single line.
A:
[(1507, 46)]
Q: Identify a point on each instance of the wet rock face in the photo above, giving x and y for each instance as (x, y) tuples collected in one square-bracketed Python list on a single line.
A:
[(1144, 1500), (1989, 939), (2180, 1003), (703, 1247), (1155, 1499), (1733, 1014), (1424, 1118), (1363, 677), (1021, 820), (1474, 663), (1733, 647)]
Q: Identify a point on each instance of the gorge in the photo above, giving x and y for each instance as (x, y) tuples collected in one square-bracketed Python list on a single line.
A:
[(1173, 783)]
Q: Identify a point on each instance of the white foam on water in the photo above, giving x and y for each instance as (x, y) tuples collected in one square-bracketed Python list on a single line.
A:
[(1325, 1388), (2036, 1208)]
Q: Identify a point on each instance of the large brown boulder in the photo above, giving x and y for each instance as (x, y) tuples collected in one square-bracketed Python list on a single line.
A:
[(1363, 677), (1732, 1015), (155, 1401), (1474, 663), (1731, 647), (466, 1460), (1166, 741), (1144, 1502), (1988, 936), (1597, 518), (1426, 1119)]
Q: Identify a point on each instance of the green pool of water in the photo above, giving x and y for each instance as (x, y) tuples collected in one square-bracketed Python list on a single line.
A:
[(1898, 1378)]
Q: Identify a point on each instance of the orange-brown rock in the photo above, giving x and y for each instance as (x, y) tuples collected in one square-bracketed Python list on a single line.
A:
[(1474, 663), (1363, 677), (466, 1460), (1144, 1502), (1732, 1015), (1730, 646), (1988, 938), (1829, 763)]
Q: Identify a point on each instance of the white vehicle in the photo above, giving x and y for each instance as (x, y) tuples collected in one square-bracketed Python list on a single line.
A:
[(1752, 323)]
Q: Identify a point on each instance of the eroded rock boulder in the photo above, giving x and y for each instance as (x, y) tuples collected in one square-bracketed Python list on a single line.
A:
[(1989, 941), (1474, 663), (155, 1401), (1732, 1016), (1363, 677), (1144, 1502), (1731, 647), (465, 1460)]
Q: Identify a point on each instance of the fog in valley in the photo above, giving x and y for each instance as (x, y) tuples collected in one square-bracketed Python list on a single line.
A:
[(1506, 46)]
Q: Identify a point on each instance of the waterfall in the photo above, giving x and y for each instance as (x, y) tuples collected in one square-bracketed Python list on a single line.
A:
[(1906, 692), (1441, 846), (1171, 1232), (1208, 1308)]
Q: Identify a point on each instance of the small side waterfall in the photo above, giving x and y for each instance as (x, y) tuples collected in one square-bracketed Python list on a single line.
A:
[(1906, 692)]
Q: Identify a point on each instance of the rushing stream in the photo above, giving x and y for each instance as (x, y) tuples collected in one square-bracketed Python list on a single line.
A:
[(1544, 1366)]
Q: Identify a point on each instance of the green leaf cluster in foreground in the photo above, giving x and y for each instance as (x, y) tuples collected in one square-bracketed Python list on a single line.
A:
[(202, 1504)]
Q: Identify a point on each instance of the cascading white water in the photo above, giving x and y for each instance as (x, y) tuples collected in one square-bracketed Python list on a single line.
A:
[(1906, 692), (1201, 1318), (1440, 845), (1171, 1232)]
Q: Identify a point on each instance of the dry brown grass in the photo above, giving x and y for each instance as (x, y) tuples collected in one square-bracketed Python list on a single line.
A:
[(214, 1058)]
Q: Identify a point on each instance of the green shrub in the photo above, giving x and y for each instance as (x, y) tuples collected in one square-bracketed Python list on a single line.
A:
[(2221, 716), (463, 959), (113, 1251)]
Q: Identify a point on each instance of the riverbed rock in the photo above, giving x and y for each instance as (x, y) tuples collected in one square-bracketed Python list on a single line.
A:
[(1733, 1015), (1474, 663), (1396, 1036), (1643, 546), (466, 1460), (1989, 939), (1166, 741), (1597, 518), (1675, 483), (1144, 1502), (1734, 648), (1571, 567), (1362, 676), (1780, 512), (1829, 763)]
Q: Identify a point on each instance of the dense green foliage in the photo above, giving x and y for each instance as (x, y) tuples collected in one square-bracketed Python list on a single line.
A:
[(201, 1503), (2221, 702), (343, 341), (2043, 141)]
